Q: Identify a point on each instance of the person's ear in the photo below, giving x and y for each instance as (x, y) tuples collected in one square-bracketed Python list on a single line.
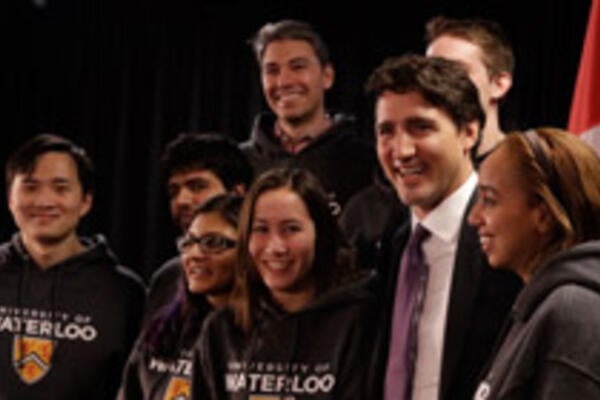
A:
[(328, 76), (501, 84), (86, 204), (469, 135), (543, 218)]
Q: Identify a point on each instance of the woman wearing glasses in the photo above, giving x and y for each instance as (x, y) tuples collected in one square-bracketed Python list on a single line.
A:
[(538, 214), (160, 367), (298, 319)]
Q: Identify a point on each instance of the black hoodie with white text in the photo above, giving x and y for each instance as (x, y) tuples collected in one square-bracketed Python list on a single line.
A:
[(66, 331), (317, 353)]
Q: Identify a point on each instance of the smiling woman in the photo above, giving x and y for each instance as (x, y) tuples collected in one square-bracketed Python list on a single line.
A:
[(299, 318), (161, 364), (538, 214)]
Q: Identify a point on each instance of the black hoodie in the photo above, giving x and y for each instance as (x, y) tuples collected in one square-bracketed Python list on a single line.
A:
[(65, 332), (343, 161), (316, 353), (551, 350), (149, 375)]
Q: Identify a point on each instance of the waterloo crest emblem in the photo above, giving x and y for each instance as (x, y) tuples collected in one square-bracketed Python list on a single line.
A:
[(178, 389), (31, 357)]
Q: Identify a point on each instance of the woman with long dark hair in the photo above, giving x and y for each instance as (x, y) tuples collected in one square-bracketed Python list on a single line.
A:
[(160, 366), (299, 316)]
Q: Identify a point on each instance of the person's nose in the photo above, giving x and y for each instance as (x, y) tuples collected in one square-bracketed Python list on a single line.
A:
[(285, 77), (45, 197), (276, 244), (402, 145), (183, 197)]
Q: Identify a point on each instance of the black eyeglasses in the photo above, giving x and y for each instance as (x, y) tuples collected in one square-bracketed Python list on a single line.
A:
[(213, 243)]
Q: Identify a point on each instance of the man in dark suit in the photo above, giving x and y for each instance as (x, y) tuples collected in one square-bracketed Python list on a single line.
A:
[(428, 121)]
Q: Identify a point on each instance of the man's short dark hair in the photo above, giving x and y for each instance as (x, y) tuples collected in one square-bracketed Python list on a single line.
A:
[(496, 50), (24, 159), (442, 83), (289, 29), (209, 151)]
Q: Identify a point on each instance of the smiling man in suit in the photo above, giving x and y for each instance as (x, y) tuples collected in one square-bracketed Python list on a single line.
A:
[(428, 121)]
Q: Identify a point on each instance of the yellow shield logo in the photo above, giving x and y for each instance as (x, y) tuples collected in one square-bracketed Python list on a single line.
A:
[(178, 389), (31, 357)]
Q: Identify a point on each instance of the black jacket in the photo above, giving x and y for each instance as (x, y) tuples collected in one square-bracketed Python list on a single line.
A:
[(371, 215), (77, 321), (479, 301), (551, 347), (163, 286), (343, 162), (317, 353)]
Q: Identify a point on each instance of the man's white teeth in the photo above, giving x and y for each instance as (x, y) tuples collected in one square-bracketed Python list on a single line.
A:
[(288, 95), (413, 170), (407, 170)]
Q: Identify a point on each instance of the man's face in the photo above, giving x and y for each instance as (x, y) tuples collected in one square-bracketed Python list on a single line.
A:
[(294, 81), (471, 57), (188, 189), (423, 154), (47, 204)]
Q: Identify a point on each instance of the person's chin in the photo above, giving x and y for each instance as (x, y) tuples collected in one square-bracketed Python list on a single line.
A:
[(414, 196), (49, 238)]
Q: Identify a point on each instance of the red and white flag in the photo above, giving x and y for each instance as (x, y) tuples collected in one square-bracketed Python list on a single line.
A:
[(584, 119)]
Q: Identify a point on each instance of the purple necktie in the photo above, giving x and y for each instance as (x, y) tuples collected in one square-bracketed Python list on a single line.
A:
[(408, 304)]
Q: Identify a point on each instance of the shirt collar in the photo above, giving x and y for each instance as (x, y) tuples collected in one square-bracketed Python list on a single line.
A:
[(445, 220), (295, 145)]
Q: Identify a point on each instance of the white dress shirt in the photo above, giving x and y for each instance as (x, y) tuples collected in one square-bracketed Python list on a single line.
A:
[(444, 223)]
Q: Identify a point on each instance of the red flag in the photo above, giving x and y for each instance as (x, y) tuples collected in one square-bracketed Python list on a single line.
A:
[(584, 119)]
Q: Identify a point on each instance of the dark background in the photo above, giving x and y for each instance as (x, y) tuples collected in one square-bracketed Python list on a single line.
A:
[(123, 77)]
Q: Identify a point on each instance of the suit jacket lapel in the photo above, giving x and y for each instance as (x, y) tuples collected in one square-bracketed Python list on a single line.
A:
[(463, 290), (399, 243), (388, 269)]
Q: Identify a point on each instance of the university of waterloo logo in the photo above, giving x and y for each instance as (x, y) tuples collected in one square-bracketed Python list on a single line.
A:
[(31, 357), (178, 389)]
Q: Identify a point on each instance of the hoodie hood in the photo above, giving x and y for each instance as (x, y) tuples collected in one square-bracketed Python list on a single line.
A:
[(96, 251), (579, 265), (286, 339), (316, 353), (340, 158), (263, 140), (355, 291)]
